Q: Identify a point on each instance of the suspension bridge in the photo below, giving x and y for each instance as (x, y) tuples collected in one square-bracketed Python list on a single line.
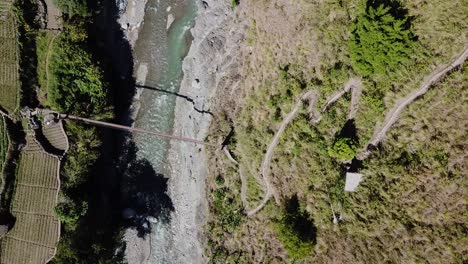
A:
[(45, 112)]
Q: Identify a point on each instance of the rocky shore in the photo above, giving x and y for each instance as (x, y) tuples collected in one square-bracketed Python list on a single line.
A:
[(211, 64), (131, 18)]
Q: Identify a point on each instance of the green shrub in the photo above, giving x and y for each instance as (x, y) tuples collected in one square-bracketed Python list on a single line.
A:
[(70, 212), (343, 149), (235, 3), (380, 41), (228, 209)]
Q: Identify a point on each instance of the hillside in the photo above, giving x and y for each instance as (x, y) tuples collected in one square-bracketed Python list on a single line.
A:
[(404, 210)]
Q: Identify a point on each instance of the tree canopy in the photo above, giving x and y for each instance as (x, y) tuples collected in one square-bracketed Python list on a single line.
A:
[(78, 84), (343, 149), (380, 40)]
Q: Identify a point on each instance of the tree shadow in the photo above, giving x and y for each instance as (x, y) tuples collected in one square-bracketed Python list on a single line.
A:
[(98, 238), (349, 131), (397, 10), (28, 58), (144, 193), (300, 220), (17, 139)]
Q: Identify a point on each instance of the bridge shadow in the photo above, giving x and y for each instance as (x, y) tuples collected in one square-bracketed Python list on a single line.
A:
[(185, 97)]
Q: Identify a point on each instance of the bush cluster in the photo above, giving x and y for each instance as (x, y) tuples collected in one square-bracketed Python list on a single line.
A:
[(381, 40)]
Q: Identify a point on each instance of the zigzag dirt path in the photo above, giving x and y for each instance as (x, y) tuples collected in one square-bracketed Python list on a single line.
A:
[(311, 97), (396, 111), (267, 158)]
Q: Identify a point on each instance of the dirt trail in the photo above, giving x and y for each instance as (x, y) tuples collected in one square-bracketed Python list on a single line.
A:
[(242, 177), (355, 96), (265, 168), (310, 96), (394, 114), (54, 16), (352, 83)]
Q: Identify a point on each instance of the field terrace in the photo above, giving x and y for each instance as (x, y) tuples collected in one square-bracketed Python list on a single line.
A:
[(36, 233)]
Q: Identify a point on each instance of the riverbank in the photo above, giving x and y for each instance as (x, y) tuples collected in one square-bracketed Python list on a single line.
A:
[(211, 58), (210, 64)]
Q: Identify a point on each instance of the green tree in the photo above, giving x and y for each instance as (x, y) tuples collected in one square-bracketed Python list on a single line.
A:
[(343, 149), (380, 41), (70, 212), (77, 84)]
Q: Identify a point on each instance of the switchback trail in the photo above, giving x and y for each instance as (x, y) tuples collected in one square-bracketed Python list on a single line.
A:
[(242, 177), (267, 158), (351, 84), (394, 114), (265, 169), (310, 96)]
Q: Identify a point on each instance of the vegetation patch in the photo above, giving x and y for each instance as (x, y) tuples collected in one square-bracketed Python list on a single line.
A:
[(412, 184), (296, 230), (77, 84), (381, 39)]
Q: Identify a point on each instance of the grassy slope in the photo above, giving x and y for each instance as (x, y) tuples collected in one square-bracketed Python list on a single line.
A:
[(312, 40)]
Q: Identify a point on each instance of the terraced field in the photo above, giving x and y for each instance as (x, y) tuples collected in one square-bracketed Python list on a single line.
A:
[(35, 235), (9, 76), (56, 136)]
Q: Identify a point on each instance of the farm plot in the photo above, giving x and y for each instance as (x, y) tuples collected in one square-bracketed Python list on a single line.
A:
[(35, 235), (9, 75), (56, 136), (5, 7)]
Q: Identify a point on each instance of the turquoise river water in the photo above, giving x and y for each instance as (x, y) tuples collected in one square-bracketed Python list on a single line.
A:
[(163, 51)]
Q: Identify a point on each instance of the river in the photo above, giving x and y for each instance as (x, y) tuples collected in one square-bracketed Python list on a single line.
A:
[(160, 49)]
